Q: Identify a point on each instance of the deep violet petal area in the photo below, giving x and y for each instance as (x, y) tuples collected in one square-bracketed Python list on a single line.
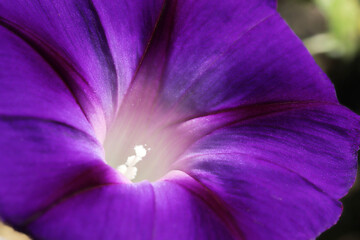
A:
[(282, 173)]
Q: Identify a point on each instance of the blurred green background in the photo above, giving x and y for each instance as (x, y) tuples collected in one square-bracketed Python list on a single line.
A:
[(330, 30)]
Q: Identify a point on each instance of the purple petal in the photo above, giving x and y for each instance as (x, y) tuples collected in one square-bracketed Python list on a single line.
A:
[(129, 28), (162, 211), (48, 148), (188, 41), (30, 87), (182, 213), (282, 172), (233, 54), (44, 161), (100, 48), (105, 212)]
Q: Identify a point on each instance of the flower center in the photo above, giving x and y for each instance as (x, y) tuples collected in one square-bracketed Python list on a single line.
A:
[(142, 119), (128, 169), (127, 148)]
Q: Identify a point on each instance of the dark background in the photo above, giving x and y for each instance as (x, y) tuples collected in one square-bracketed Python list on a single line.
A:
[(307, 19)]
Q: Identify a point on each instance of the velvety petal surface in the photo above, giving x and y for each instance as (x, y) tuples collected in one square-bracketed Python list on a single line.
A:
[(48, 148), (105, 212), (190, 39), (59, 86), (31, 87), (182, 213), (163, 210), (277, 174), (280, 173), (226, 55), (97, 45)]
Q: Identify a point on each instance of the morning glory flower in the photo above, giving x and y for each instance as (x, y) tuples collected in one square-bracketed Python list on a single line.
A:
[(165, 119)]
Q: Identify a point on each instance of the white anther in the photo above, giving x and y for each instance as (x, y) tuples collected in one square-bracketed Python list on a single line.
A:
[(128, 169), (140, 151), (132, 161), (122, 168)]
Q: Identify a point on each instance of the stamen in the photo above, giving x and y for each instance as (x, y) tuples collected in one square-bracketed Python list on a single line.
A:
[(128, 169)]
